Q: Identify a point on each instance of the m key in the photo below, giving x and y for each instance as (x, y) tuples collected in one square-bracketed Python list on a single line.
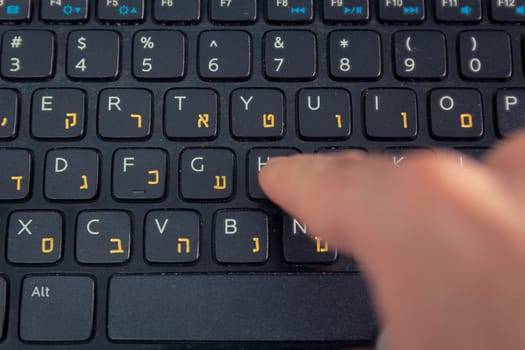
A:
[(15, 177)]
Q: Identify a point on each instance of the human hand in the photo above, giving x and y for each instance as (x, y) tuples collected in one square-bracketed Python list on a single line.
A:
[(442, 247)]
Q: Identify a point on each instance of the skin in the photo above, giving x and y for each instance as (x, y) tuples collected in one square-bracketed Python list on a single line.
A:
[(442, 247)]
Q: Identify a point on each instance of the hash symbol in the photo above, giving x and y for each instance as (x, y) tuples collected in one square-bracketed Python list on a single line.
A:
[(16, 42)]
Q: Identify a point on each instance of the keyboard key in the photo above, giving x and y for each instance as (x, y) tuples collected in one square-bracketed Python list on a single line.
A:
[(289, 10), (139, 173), (103, 237), (121, 10), (268, 307), (225, 54), (191, 114), (3, 305), (257, 158), (257, 113), (15, 177), (15, 10), (459, 11), (172, 236), (58, 113), (124, 113), (290, 54), (508, 10), (399, 155), (57, 308), (28, 54), (9, 110), (298, 248), (159, 54), (241, 236), (207, 173), (346, 10), (71, 174), (510, 110), (355, 54), (233, 10), (34, 237), (485, 55), (456, 114), (64, 11), (324, 114), (391, 114), (402, 10), (93, 54), (177, 11), (420, 55)]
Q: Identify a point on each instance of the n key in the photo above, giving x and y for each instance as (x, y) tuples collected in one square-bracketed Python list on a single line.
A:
[(15, 177), (299, 248)]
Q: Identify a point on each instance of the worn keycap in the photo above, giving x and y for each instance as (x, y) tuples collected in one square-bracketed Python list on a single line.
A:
[(177, 11), (233, 10), (299, 248), (15, 177), (58, 308), (64, 11), (9, 109), (510, 110), (34, 237), (346, 10)]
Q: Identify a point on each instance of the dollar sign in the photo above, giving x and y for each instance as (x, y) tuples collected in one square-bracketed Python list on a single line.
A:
[(81, 43)]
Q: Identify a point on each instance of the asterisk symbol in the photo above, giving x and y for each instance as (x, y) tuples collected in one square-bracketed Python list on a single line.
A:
[(344, 43)]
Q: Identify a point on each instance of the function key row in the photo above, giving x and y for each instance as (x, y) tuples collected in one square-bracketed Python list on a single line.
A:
[(228, 55)]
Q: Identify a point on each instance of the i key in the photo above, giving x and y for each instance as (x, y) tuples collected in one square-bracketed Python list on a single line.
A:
[(34, 237), (121, 10), (58, 113), (420, 55), (64, 11), (139, 173), (233, 10), (15, 177), (177, 11), (15, 10), (225, 54), (402, 10), (8, 113), (28, 54), (124, 113), (257, 113), (391, 113), (485, 55)]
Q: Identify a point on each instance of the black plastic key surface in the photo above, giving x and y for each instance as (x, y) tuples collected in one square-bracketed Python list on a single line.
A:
[(177, 11), (3, 305), (508, 10), (510, 110), (402, 10), (121, 10), (64, 10), (458, 10), (15, 10), (239, 307), (57, 308), (15, 177), (346, 10), (233, 10), (282, 11), (9, 109)]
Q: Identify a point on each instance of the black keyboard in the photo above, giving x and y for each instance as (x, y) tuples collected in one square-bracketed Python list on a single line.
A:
[(132, 133)]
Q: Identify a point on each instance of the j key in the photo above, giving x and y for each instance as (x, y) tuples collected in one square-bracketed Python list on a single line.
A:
[(257, 158), (485, 55), (103, 237), (8, 113), (508, 10), (191, 114), (15, 177), (456, 114), (225, 55), (159, 54), (121, 10), (64, 11), (45, 297), (324, 114), (139, 173), (510, 108), (177, 11), (172, 236), (290, 10), (124, 113), (71, 174), (207, 173), (290, 55), (346, 10), (459, 11), (355, 54), (420, 55), (257, 113), (241, 236), (28, 54), (233, 10), (15, 10), (3, 304), (93, 54), (391, 113), (301, 249), (402, 10), (58, 113), (34, 237)]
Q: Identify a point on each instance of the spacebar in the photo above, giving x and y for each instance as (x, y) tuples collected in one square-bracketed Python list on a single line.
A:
[(239, 307)]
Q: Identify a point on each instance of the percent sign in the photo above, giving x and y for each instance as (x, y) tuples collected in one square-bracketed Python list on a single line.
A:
[(147, 42)]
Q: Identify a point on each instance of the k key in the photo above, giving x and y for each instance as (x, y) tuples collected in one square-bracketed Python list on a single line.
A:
[(15, 177)]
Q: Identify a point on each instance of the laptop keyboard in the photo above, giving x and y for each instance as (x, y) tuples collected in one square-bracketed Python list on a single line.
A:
[(132, 133)]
